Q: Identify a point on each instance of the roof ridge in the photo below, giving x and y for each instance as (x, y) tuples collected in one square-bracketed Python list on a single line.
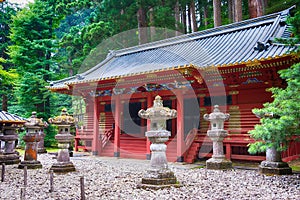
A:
[(199, 34), (266, 23)]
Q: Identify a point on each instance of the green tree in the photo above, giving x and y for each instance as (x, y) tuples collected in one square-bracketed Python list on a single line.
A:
[(279, 5), (32, 54), (7, 10), (283, 117), (8, 78), (34, 44)]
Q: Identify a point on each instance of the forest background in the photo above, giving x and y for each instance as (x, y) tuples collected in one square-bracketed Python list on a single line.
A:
[(49, 40)]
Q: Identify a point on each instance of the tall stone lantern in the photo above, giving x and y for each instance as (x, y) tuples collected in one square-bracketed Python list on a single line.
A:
[(63, 123), (32, 138), (159, 175), (217, 135), (9, 124), (41, 144)]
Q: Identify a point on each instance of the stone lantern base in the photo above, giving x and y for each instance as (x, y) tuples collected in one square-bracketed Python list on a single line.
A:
[(42, 150), (31, 164), (276, 168), (9, 158), (159, 179), (63, 167), (214, 163)]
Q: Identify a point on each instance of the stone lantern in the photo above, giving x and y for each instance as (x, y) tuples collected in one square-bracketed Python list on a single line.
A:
[(9, 124), (63, 123), (217, 135), (32, 138), (159, 175), (41, 148)]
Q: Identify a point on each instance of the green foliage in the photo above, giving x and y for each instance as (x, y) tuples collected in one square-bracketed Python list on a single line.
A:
[(279, 5), (49, 139), (279, 130), (7, 77), (79, 42), (283, 120)]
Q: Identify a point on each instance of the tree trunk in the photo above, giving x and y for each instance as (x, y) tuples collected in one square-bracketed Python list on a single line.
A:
[(183, 18), (205, 16), (255, 8), (264, 5), (238, 15), (189, 20), (230, 10), (4, 102), (142, 24), (152, 27), (177, 17), (193, 15), (217, 13)]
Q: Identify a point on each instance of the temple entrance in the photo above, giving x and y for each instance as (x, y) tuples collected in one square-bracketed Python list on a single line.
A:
[(132, 122), (168, 103), (191, 115)]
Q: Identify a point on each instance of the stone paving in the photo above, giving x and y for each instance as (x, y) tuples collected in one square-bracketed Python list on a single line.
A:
[(111, 178)]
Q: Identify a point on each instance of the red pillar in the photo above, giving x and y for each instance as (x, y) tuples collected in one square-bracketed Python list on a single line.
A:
[(180, 126), (148, 143), (234, 95), (201, 100), (96, 144), (228, 151), (173, 131), (143, 121), (117, 126), (76, 140)]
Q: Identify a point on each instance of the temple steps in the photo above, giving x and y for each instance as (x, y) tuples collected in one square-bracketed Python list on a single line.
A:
[(171, 150), (192, 153), (130, 147), (135, 147)]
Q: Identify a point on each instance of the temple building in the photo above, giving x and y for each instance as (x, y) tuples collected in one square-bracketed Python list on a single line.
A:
[(230, 66)]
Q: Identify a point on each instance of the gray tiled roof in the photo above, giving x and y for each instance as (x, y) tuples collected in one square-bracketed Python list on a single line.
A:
[(6, 117), (233, 43)]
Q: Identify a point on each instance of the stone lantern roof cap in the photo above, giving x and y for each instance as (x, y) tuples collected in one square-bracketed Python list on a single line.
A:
[(216, 115), (34, 121), (63, 119), (8, 118), (158, 111)]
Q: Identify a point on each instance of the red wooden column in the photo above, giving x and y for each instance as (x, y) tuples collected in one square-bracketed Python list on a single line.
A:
[(180, 126), (173, 131), (149, 104), (201, 101), (117, 126), (143, 121), (96, 144), (234, 95)]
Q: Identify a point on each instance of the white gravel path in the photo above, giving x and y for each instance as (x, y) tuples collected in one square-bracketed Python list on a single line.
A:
[(111, 178)]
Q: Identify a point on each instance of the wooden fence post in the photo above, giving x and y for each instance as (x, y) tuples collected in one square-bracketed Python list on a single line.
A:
[(25, 175), (51, 181), (82, 193), (3, 172), (23, 193)]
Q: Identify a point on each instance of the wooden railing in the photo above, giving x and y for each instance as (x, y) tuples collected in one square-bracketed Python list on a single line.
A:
[(190, 137), (105, 135)]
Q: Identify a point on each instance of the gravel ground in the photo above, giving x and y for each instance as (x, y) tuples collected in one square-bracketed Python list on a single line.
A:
[(111, 178)]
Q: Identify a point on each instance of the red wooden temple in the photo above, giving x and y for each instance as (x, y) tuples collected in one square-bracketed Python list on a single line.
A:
[(231, 66)]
